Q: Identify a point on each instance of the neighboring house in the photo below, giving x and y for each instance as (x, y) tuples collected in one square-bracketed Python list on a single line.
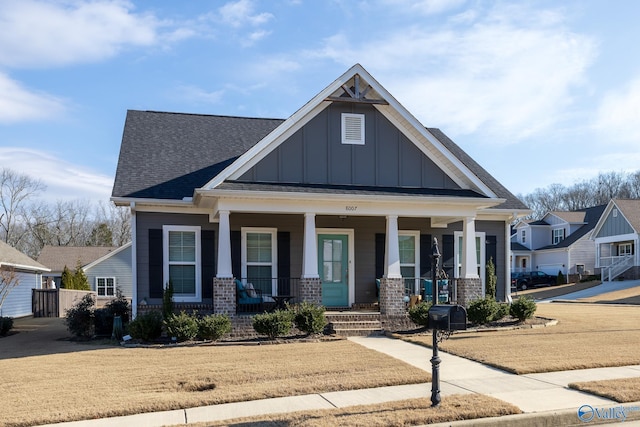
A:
[(616, 238), (351, 188), (107, 268), (29, 275), (559, 242)]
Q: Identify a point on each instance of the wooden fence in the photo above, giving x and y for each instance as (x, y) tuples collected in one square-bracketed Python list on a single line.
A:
[(54, 302)]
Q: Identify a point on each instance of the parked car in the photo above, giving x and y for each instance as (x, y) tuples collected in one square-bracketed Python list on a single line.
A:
[(531, 279)]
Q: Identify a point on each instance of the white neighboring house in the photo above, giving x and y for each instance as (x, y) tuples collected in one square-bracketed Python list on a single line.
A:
[(616, 238), (29, 275), (559, 242)]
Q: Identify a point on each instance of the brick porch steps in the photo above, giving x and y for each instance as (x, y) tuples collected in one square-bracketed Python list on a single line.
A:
[(354, 323)]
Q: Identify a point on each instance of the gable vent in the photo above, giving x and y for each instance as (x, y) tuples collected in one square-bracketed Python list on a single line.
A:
[(353, 128)]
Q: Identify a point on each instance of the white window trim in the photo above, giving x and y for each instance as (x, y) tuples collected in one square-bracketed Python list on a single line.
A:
[(274, 253), (482, 266), (416, 262), (197, 297), (626, 246), (346, 139), (106, 278), (558, 238)]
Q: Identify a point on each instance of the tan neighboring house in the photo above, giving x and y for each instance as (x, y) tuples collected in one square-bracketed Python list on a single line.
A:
[(107, 267)]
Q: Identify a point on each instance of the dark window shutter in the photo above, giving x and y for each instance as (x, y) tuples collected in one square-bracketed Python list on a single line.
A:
[(491, 250), (236, 254), (208, 255), (380, 248), (425, 255), (564, 233), (448, 261), (156, 286), (284, 262)]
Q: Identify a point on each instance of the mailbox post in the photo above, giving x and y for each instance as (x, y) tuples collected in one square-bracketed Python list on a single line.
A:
[(435, 359)]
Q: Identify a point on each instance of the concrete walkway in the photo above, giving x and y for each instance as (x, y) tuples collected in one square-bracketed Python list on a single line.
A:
[(545, 398), (603, 288)]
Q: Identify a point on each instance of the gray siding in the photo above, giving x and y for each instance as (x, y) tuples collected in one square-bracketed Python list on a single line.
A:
[(614, 226), (316, 155), (583, 252), (18, 302), (118, 266)]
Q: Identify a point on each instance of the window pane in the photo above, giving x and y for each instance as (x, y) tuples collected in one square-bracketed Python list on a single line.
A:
[(407, 246), (182, 246), (259, 247), (183, 278), (260, 276)]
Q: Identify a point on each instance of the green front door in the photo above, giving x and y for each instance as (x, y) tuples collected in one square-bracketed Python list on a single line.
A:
[(334, 269)]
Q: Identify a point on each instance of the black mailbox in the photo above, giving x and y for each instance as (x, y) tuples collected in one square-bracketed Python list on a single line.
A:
[(448, 317)]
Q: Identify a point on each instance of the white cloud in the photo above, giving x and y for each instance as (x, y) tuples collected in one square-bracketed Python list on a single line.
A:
[(242, 12), (63, 180), (38, 33), (196, 94), (510, 72), (18, 103), (618, 116)]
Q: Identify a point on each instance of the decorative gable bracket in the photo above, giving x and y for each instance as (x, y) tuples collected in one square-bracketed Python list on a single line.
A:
[(356, 95)]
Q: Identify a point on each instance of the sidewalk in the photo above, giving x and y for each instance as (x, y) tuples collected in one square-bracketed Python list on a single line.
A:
[(544, 398)]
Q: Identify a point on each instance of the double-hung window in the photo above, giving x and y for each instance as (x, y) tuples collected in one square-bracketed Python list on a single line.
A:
[(106, 286), (558, 235), (259, 259), (409, 260), (182, 266)]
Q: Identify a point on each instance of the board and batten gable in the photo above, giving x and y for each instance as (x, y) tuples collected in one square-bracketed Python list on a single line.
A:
[(315, 154), (615, 224)]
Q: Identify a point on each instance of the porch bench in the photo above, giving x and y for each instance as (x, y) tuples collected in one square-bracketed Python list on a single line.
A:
[(245, 301)]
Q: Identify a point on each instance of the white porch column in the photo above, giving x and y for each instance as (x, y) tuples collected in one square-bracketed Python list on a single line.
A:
[(224, 246), (392, 253), (508, 265), (310, 250), (469, 257)]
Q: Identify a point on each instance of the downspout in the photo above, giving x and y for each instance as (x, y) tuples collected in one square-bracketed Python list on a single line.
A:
[(134, 264)]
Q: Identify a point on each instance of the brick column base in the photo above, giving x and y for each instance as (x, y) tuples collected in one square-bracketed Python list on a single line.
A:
[(469, 290), (311, 290), (224, 296), (391, 297)]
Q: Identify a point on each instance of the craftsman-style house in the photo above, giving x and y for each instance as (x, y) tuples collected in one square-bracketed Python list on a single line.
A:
[(351, 188)]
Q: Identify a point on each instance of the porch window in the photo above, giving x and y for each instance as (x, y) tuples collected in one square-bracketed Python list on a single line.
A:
[(106, 286), (409, 260), (259, 259), (558, 235), (181, 247), (480, 254), (625, 249)]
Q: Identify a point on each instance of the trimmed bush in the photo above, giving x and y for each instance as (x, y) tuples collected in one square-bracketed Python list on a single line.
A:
[(560, 280), (6, 324), (503, 310), (119, 306), (419, 313), (274, 324), (482, 310), (214, 326), (103, 321), (79, 318), (147, 326), (182, 327), (523, 308), (309, 318)]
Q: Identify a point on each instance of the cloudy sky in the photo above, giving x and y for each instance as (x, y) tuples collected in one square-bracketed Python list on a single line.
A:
[(538, 92)]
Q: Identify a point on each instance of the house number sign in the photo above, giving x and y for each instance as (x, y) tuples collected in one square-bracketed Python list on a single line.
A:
[(351, 208)]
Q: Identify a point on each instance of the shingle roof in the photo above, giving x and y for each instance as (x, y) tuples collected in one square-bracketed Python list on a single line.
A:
[(571, 216), (56, 257), (10, 256), (591, 217), (631, 211), (168, 155)]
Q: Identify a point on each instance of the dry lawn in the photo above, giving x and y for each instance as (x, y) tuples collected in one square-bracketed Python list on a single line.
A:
[(621, 390), (120, 381), (586, 336), (402, 413)]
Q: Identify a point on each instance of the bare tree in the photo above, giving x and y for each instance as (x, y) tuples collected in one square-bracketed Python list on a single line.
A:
[(8, 280), (16, 190)]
